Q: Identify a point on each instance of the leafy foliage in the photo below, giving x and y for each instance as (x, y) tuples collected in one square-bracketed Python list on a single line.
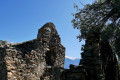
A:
[(3, 42), (102, 17)]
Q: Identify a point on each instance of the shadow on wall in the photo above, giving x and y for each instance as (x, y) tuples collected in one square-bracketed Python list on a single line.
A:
[(26, 47), (3, 68), (50, 57)]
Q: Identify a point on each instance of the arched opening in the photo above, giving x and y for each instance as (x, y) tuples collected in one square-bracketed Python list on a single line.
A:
[(50, 57), (49, 29)]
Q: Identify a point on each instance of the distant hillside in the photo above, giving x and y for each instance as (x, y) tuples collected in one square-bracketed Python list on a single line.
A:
[(70, 60)]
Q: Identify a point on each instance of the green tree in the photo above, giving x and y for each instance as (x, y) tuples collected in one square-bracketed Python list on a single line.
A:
[(99, 25)]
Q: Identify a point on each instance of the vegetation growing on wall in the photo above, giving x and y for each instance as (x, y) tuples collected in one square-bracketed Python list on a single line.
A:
[(3, 42), (99, 25)]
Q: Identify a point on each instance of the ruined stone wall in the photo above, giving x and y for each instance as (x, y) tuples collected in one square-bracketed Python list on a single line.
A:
[(97, 63), (38, 59), (90, 67), (74, 73)]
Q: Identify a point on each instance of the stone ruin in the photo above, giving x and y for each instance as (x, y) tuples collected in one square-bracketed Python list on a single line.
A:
[(43, 59), (98, 61), (38, 59)]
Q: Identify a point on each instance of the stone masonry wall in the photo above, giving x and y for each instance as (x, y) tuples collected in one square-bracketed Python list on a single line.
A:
[(38, 59)]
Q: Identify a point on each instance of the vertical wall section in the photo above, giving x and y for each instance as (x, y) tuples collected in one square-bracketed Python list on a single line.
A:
[(38, 59)]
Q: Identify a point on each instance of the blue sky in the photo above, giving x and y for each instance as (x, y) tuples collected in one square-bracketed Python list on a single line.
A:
[(21, 19)]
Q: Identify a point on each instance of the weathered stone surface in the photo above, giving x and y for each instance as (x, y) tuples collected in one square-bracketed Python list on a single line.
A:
[(90, 67), (38, 59), (74, 73)]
